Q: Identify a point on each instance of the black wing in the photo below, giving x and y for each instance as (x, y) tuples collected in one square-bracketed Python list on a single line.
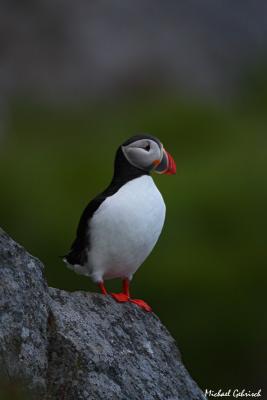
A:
[(79, 249)]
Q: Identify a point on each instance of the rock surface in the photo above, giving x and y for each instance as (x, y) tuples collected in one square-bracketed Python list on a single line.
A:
[(23, 315), (82, 345)]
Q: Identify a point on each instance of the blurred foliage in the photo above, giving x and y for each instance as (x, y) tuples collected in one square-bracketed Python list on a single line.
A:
[(206, 278), (13, 390)]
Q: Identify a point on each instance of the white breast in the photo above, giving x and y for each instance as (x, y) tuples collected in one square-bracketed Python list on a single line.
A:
[(125, 228)]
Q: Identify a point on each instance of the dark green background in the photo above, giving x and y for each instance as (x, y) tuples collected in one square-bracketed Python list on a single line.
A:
[(206, 278)]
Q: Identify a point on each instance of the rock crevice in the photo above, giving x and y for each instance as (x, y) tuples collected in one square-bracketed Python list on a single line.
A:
[(82, 345)]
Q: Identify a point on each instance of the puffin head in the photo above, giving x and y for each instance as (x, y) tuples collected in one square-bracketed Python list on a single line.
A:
[(147, 154)]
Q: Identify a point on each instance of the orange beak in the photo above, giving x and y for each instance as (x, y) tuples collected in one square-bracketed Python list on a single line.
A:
[(166, 165)]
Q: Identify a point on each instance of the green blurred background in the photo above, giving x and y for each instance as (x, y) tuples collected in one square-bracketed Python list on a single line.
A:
[(206, 278)]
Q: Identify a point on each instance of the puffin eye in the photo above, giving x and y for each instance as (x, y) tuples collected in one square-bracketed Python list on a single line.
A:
[(147, 148)]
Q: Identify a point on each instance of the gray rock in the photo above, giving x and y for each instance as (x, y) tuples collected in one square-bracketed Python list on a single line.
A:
[(23, 315), (82, 345)]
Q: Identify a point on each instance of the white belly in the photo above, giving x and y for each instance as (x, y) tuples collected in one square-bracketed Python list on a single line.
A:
[(124, 229)]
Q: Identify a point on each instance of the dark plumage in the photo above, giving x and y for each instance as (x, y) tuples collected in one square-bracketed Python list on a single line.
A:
[(123, 173)]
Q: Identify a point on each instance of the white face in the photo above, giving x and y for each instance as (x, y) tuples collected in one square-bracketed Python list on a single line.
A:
[(144, 154)]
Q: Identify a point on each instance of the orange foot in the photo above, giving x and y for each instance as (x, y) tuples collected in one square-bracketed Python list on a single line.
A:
[(123, 298), (142, 304), (120, 297)]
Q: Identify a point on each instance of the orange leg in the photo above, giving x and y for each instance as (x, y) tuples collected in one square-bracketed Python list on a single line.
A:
[(102, 288)]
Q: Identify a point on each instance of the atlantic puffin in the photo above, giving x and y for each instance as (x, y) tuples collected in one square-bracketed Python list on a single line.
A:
[(119, 228)]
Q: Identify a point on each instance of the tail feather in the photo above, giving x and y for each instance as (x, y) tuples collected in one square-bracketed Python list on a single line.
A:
[(76, 256)]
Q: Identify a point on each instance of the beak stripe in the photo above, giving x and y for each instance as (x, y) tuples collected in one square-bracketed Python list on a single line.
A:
[(156, 163)]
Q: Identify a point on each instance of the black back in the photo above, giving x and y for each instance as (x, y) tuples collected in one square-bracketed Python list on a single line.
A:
[(123, 173)]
